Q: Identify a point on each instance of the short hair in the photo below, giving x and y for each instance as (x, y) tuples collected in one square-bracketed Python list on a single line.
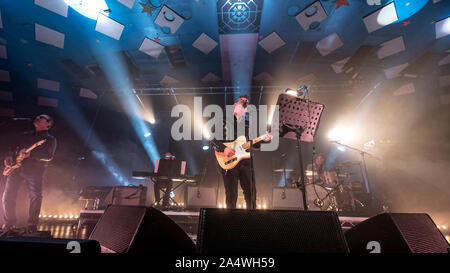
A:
[(318, 155), (48, 118), (244, 96)]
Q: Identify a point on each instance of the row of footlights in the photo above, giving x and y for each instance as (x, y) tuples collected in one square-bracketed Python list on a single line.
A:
[(58, 217)]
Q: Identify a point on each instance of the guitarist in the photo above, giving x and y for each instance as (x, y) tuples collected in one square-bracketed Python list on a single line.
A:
[(31, 171), (242, 171)]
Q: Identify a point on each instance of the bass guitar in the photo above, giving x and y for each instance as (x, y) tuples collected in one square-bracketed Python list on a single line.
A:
[(18, 160), (240, 145)]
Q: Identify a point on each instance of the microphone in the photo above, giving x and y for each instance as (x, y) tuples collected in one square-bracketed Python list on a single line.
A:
[(305, 90), (302, 90), (21, 118)]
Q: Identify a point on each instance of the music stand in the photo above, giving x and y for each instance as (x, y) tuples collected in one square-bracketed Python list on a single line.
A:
[(299, 119)]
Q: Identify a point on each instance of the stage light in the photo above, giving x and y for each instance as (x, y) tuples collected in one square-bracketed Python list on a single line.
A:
[(448, 238), (88, 8), (239, 206), (341, 148), (438, 226), (444, 227), (245, 206), (220, 206), (147, 134), (205, 147), (291, 92), (206, 133), (152, 120), (264, 206), (259, 206), (118, 76), (370, 144), (341, 134)]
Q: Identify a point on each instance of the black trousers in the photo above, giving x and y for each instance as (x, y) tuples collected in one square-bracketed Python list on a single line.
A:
[(9, 198), (241, 173), (165, 184)]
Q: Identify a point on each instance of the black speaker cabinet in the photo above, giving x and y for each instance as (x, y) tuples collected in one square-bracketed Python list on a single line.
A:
[(134, 229), (269, 231), (397, 233)]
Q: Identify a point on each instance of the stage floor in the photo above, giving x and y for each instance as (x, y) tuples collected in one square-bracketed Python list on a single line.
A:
[(188, 221)]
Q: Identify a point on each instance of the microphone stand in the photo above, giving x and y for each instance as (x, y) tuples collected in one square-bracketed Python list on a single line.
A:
[(252, 204), (298, 132)]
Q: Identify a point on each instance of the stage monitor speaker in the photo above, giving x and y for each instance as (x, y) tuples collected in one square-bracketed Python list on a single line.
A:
[(201, 197), (397, 233), (134, 229), (287, 198), (269, 231), (48, 245)]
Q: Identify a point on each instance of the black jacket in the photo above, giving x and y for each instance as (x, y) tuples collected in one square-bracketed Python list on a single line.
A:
[(218, 145), (40, 156)]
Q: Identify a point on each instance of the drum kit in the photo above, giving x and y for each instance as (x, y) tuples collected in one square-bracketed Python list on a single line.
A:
[(329, 191)]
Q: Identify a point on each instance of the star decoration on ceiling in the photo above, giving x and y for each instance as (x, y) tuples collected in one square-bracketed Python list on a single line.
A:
[(341, 2), (147, 8), (406, 23)]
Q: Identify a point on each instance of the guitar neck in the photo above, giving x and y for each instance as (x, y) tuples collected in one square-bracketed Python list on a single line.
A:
[(256, 140), (32, 147)]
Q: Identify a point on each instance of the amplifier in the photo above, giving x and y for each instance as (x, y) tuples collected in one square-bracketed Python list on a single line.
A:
[(129, 195), (201, 197), (88, 219), (286, 198)]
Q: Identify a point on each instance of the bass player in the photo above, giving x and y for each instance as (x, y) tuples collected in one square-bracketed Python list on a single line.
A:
[(241, 171), (32, 171)]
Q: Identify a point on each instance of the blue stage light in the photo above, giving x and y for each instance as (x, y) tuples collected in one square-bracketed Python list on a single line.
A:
[(117, 74), (205, 147)]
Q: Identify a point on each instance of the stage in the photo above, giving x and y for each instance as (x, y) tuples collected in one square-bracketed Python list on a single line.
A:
[(188, 221)]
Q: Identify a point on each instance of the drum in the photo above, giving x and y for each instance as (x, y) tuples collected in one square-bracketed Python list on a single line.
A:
[(319, 198)]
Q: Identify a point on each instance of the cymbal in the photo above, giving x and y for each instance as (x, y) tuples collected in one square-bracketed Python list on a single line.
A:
[(310, 173), (346, 174), (283, 170)]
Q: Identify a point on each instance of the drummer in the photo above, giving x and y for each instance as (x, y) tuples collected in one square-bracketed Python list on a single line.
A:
[(321, 175)]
